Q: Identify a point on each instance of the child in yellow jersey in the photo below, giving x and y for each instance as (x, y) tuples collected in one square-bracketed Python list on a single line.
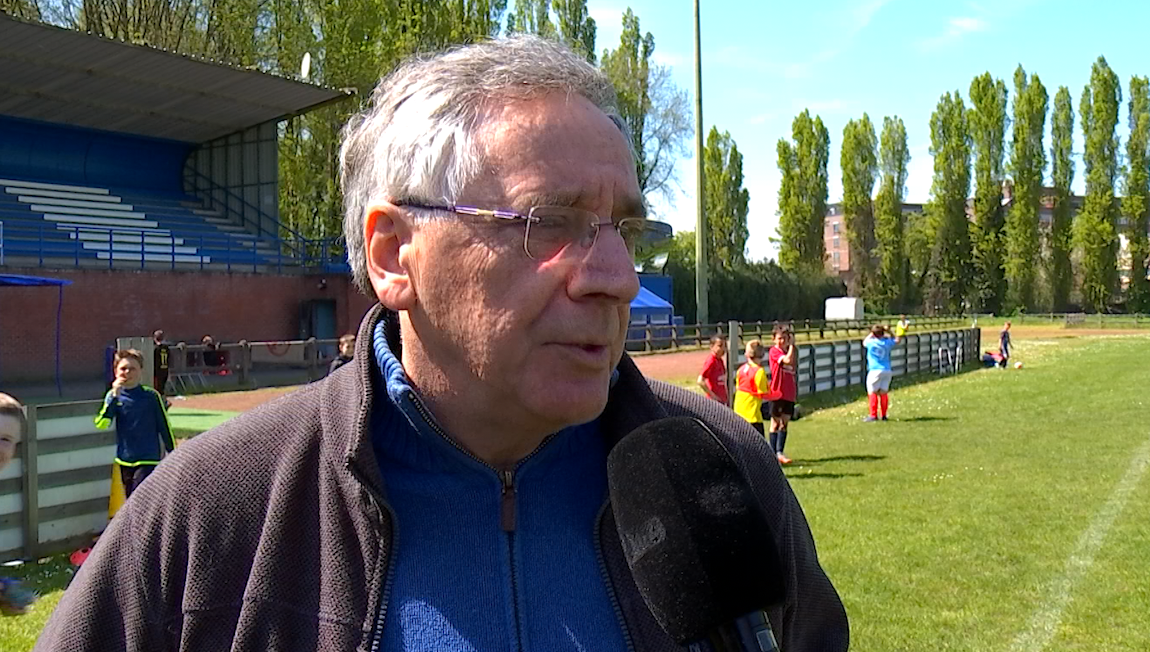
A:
[(751, 387)]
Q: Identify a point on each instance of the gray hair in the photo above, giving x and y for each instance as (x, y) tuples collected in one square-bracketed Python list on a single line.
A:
[(415, 138)]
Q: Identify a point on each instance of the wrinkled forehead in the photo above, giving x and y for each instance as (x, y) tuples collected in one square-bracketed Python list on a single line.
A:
[(556, 145)]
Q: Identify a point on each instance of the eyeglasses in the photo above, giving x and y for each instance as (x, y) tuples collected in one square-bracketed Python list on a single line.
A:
[(549, 230)]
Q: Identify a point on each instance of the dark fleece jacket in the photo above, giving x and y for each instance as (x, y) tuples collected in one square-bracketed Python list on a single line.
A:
[(271, 532)]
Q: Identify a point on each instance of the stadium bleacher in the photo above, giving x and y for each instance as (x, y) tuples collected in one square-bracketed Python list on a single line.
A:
[(99, 226)]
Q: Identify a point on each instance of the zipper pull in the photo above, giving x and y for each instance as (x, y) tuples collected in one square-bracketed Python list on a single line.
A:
[(507, 506)]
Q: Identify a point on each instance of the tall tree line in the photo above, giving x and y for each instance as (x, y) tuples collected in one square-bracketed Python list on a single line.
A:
[(1061, 177), (1027, 165), (1096, 226), (988, 132), (859, 163), (948, 278), (803, 194), (893, 276), (1136, 194), (1023, 241)]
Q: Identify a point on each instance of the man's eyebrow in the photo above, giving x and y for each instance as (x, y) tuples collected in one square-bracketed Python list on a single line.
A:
[(628, 207), (566, 198)]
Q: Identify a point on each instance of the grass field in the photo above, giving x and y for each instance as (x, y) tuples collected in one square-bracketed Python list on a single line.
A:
[(999, 510)]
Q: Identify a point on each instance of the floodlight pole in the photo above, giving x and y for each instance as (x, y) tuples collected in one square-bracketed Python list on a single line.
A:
[(702, 315)]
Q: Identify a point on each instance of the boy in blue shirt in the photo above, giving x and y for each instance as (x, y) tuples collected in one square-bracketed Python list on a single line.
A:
[(878, 347), (143, 434)]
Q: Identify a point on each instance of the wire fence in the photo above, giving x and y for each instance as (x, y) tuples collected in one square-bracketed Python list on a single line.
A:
[(1070, 320), (672, 337)]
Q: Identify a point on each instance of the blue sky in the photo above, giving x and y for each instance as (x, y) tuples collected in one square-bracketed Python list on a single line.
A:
[(764, 61)]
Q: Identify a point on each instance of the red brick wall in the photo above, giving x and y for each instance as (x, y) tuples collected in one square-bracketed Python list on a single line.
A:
[(101, 305)]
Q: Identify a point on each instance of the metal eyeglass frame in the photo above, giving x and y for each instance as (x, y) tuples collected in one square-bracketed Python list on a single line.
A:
[(662, 229)]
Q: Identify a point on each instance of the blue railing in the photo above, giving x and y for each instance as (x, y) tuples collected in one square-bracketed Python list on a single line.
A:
[(325, 253), (231, 252)]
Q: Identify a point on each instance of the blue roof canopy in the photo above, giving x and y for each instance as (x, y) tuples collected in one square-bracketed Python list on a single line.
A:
[(19, 280), (649, 300)]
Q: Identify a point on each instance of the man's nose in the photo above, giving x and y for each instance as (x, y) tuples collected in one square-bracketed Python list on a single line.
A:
[(607, 269)]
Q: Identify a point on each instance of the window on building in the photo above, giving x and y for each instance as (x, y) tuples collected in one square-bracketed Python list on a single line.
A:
[(837, 261), (836, 242), (835, 227)]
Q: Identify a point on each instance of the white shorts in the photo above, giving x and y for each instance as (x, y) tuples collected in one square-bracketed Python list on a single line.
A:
[(878, 381)]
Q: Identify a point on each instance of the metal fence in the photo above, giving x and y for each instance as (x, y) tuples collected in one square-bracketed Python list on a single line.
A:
[(196, 368), (54, 495), (664, 337), (829, 365), (1073, 320)]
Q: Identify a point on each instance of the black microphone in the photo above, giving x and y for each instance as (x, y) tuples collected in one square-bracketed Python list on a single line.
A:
[(697, 542)]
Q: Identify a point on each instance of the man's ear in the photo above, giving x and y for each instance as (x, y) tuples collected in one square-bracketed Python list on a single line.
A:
[(386, 232)]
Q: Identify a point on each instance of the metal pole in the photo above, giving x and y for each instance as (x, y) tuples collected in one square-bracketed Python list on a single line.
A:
[(702, 314)]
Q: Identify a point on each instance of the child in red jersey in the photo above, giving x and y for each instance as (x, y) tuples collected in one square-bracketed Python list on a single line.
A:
[(783, 360)]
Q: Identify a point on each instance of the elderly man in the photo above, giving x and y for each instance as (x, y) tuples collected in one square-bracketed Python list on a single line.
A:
[(446, 490)]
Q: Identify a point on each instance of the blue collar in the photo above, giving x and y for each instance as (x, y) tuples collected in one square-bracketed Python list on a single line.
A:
[(429, 446)]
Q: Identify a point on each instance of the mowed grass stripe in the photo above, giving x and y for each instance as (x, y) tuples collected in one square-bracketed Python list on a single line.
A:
[(1045, 622), (942, 527)]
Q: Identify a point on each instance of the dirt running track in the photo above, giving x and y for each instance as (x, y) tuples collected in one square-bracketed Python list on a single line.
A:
[(667, 366), (663, 366)]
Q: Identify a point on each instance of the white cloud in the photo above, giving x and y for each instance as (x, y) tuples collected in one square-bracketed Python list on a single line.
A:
[(865, 12), (761, 118), (956, 28)]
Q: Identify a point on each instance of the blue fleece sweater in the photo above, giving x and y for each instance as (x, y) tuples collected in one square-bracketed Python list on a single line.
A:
[(485, 562)]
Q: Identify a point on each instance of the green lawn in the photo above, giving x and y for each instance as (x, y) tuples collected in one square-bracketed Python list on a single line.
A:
[(188, 422), (975, 519), (983, 516)]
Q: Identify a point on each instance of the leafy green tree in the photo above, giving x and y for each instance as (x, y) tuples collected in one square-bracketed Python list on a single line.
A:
[(859, 163), (948, 279), (572, 25), (988, 131), (1096, 228), (1062, 176), (353, 42), (657, 111), (725, 201), (27, 9), (891, 282), (1136, 191), (737, 293), (1027, 164), (803, 193), (576, 26), (919, 246), (531, 17)]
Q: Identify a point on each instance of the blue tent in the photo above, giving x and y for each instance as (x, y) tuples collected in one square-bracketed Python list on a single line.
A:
[(16, 280), (649, 309), (649, 303)]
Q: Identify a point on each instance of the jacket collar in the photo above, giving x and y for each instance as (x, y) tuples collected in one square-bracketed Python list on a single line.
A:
[(351, 392)]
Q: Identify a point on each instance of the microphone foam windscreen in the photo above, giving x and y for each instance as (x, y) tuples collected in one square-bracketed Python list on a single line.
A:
[(699, 547)]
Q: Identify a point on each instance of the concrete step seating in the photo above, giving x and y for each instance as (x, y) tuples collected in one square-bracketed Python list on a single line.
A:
[(70, 221)]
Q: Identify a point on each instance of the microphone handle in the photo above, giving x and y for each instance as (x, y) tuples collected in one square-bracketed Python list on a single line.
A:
[(748, 633)]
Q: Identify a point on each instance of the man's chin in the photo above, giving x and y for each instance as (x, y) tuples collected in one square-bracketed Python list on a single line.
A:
[(571, 408)]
